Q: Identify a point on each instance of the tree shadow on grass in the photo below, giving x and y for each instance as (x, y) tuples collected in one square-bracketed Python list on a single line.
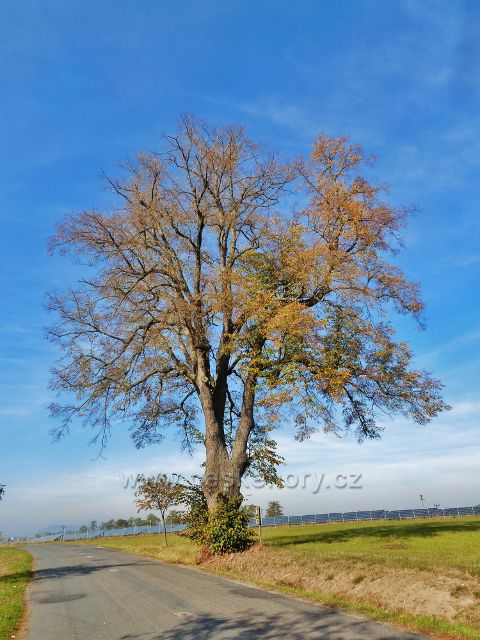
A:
[(411, 530), (15, 577)]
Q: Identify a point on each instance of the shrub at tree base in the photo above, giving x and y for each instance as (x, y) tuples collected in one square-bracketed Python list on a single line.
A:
[(223, 531), (197, 524), (228, 530)]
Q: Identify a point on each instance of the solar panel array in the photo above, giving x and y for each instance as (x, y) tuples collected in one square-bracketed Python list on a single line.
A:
[(362, 516), (316, 518)]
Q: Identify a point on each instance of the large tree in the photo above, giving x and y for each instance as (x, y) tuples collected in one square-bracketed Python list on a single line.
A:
[(229, 292)]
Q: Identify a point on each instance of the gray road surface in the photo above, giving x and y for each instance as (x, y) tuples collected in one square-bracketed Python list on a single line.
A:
[(87, 593)]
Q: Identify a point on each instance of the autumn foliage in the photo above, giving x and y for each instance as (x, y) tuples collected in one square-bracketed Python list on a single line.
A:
[(228, 293), (158, 493)]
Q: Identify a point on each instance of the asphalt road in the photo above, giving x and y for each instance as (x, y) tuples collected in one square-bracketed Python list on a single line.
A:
[(88, 593)]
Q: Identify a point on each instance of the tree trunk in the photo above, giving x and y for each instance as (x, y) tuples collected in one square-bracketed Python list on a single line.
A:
[(165, 543), (223, 472), (222, 480)]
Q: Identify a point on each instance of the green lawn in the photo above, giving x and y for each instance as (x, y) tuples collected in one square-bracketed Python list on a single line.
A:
[(424, 544), (180, 550), (15, 573), (422, 574), (417, 544)]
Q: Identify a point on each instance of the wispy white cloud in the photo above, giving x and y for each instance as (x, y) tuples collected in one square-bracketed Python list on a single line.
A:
[(18, 410), (467, 261), (459, 343), (94, 491), (436, 459), (279, 112)]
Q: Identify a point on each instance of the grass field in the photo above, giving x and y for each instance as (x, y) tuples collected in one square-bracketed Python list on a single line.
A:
[(15, 573), (421, 574), (424, 545)]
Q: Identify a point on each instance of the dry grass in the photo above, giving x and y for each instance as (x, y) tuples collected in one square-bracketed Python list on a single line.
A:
[(445, 596)]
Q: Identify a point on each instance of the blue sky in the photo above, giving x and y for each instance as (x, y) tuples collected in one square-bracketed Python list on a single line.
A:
[(87, 85)]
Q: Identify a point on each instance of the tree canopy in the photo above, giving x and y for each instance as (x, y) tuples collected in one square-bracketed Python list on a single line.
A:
[(228, 285), (158, 492), (274, 509)]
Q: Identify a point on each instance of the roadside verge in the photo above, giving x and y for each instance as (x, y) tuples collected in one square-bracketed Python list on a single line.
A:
[(15, 574), (423, 577)]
